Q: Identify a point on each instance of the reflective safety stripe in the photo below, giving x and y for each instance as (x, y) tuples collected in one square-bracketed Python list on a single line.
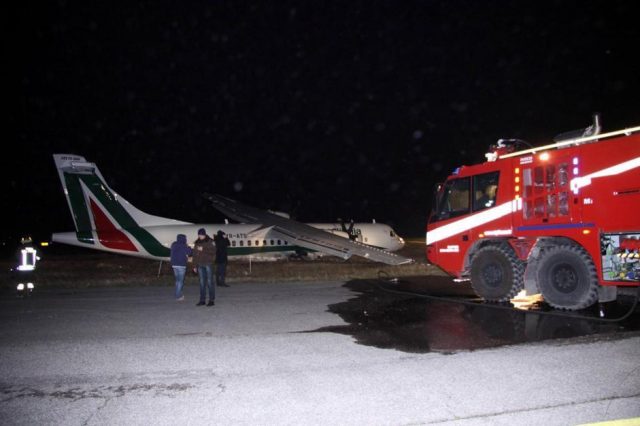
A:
[(473, 221), (581, 182)]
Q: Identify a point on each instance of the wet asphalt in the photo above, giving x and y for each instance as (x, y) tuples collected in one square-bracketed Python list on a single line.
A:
[(424, 314), (308, 353)]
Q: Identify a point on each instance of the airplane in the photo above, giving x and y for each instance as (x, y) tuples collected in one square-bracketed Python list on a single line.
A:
[(105, 221)]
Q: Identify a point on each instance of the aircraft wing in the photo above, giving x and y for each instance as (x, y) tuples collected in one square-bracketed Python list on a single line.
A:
[(302, 234)]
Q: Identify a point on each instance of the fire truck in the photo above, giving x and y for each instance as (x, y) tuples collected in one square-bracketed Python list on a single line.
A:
[(562, 220)]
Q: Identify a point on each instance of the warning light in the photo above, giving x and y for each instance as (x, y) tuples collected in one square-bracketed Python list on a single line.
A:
[(517, 170), (517, 179), (586, 231), (517, 188), (544, 156)]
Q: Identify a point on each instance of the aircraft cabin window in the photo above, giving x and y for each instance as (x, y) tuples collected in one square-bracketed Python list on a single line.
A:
[(286, 243), (279, 242), (257, 243), (248, 242), (241, 243), (271, 242), (264, 242), (233, 243)]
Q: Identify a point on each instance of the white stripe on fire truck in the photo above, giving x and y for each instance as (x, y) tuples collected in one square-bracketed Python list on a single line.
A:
[(472, 221), (502, 210), (582, 181)]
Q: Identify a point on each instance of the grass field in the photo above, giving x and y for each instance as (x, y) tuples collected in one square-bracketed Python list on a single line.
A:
[(86, 268)]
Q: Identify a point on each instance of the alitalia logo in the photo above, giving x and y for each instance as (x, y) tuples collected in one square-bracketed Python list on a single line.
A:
[(96, 209), (108, 235)]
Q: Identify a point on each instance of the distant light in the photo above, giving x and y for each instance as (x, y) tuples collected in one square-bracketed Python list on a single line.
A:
[(44, 244), (30, 286), (544, 156), (20, 287)]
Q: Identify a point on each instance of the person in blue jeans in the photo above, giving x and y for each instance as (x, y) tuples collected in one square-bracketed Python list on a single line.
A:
[(204, 253), (180, 253)]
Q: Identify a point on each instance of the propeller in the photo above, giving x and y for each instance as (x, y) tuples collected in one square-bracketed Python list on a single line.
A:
[(349, 231)]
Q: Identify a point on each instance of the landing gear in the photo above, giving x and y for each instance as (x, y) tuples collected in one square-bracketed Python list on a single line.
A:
[(567, 277), (496, 273)]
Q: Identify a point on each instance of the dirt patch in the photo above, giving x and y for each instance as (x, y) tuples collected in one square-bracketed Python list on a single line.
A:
[(94, 269)]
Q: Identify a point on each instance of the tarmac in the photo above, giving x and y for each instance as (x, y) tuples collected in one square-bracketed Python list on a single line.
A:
[(305, 353)]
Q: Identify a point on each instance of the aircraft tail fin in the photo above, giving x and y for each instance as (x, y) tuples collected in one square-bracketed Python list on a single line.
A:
[(94, 205)]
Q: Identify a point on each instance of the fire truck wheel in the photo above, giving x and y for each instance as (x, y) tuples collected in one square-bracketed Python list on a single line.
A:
[(567, 277), (496, 273)]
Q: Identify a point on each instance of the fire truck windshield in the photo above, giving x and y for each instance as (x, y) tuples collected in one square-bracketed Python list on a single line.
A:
[(453, 199)]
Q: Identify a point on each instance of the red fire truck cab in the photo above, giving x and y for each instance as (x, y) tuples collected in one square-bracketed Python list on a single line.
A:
[(562, 220)]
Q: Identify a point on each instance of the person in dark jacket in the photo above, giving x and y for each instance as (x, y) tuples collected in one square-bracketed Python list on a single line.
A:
[(204, 253), (222, 242), (180, 253)]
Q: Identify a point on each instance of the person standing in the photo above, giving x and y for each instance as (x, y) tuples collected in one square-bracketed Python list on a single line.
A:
[(222, 242), (180, 253), (204, 253)]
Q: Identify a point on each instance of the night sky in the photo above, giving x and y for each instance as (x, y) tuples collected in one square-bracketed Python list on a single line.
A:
[(323, 109)]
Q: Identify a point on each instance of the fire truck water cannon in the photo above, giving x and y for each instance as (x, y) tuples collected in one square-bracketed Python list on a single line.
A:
[(553, 219)]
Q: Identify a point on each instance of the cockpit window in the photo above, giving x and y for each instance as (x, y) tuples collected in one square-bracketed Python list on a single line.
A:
[(391, 233), (485, 187), (453, 199)]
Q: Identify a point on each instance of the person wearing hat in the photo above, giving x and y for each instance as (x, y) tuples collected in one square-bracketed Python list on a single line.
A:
[(222, 242), (204, 253)]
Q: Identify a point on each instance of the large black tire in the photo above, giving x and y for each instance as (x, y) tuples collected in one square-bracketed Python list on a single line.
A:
[(496, 273), (567, 277)]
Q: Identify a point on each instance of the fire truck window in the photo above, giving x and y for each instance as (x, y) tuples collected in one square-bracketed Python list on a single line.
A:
[(454, 199), (563, 175), (551, 177), (538, 207), (528, 209), (527, 182), (485, 189), (563, 203), (552, 205), (538, 179)]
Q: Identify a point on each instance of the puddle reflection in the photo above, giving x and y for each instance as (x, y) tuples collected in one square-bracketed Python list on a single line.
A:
[(413, 324)]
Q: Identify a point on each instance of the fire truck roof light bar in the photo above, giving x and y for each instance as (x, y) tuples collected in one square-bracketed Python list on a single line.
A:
[(626, 131)]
